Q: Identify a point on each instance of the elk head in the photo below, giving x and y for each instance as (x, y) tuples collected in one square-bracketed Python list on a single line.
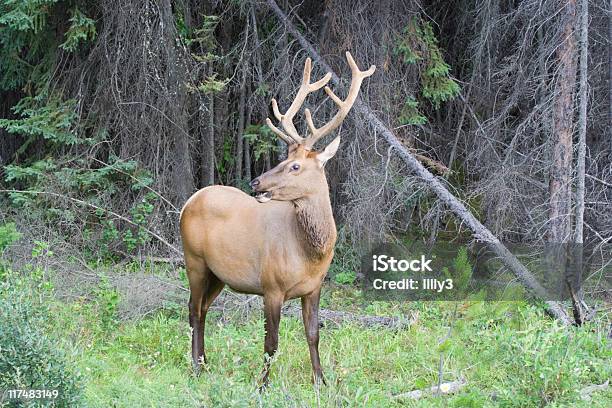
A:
[(302, 173)]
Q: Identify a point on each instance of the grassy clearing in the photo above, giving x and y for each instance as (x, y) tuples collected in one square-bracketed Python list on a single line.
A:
[(510, 354)]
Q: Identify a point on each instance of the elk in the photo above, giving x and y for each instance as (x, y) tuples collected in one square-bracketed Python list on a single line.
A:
[(278, 243)]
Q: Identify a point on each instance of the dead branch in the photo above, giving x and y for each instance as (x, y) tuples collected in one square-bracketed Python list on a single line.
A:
[(585, 393), (114, 214), (443, 389)]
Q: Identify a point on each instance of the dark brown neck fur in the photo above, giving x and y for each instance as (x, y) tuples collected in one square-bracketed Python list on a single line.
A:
[(314, 216)]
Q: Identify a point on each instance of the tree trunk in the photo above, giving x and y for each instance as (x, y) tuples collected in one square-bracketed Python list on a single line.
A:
[(610, 73), (560, 174), (582, 121), (240, 130), (284, 46), (560, 188), (578, 253), (479, 230), (182, 173), (247, 147), (207, 165)]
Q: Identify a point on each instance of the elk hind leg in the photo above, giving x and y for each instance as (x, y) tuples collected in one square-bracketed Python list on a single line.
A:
[(198, 275), (214, 287)]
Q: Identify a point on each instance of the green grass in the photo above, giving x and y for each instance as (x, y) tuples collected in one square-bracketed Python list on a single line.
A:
[(510, 354)]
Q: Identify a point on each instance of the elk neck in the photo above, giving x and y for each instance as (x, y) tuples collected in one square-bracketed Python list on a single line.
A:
[(316, 222)]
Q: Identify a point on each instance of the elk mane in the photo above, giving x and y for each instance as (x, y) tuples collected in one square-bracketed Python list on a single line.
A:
[(317, 225)]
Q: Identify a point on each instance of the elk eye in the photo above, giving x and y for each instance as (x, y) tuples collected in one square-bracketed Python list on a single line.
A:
[(295, 167)]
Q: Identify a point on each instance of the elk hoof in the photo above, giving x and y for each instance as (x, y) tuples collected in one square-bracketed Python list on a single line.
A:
[(197, 365), (263, 387), (319, 379)]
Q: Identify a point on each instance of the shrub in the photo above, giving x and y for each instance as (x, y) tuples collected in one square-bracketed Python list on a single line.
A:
[(28, 358), (8, 235)]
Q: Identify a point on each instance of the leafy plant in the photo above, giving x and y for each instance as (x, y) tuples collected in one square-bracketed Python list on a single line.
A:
[(410, 115), (28, 43), (42, 117), (461, 272), (345, 277), (346, 260), (8, 235), (28, 357), (227, 158), (82, 29), (107, 300), (437, 84), (210, 85), (262, 139), (418, 45)]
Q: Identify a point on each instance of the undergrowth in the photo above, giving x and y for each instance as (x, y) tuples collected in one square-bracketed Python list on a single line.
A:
[(510, 354)]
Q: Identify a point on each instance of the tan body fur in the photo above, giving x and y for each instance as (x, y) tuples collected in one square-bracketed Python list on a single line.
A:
[(279, 244), (218, 224)]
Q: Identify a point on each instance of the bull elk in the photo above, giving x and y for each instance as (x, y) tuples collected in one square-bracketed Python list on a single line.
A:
[(278, 244)]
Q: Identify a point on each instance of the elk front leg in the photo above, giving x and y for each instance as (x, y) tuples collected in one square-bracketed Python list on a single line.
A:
[(310, 314), (272, 312)]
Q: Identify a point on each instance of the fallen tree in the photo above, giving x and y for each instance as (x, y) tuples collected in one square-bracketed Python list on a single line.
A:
[(480, 232)]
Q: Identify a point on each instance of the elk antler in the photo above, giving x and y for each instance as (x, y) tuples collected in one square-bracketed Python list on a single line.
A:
[(344, 107), (286, 120)]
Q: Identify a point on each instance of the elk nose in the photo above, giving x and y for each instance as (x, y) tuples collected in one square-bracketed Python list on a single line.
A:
[(254, 183)]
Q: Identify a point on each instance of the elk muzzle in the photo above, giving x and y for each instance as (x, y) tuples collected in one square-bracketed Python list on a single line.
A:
[(262, 196)]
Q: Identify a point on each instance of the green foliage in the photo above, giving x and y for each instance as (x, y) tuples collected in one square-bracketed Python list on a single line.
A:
[(410, 115), (41, 249), (204, 35), (346, 260), (345, 277), (201, 40), (46, 118), (78, 175), (550, 363), (131, 237), (210, 85), (104, 234), (262, 139), (8, 236), (146, 362), (461, 272), (227, 159), (140, 216), (82, 29), (28, 357), (27, 43), (419, 45), (107, 300)]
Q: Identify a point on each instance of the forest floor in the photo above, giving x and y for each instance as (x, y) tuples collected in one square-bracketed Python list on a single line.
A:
[(507, 353)]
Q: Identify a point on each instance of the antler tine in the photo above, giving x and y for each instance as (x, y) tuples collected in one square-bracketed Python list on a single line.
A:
[(277, 113), (291, 134), (279, 132), (343, 106)]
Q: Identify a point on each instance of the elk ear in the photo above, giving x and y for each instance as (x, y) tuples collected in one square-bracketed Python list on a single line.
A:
[(329, 151)]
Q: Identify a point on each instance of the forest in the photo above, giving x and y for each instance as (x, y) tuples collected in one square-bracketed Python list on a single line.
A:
[(486, 127)]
